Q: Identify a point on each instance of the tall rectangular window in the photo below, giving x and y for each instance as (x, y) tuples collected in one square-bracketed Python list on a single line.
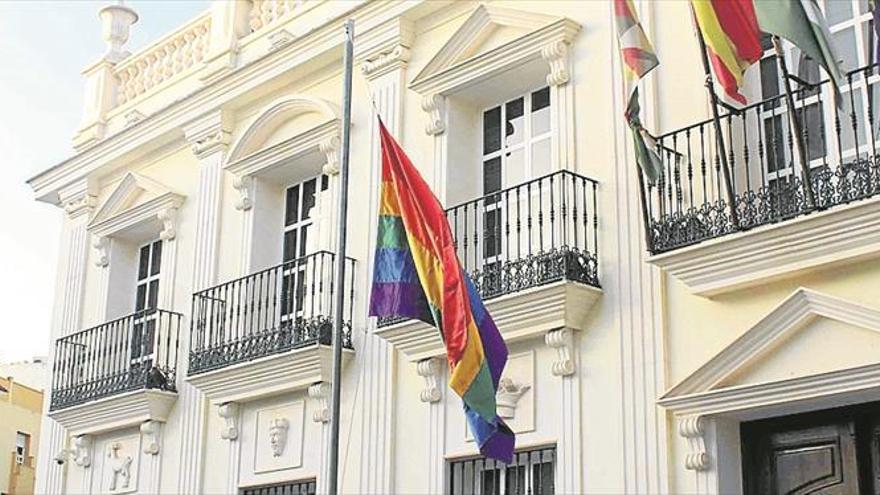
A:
[(517, 138), (531, 472), (146, 302), (299, 204)]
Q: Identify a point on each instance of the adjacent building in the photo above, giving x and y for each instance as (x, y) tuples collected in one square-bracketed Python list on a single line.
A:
[(669, 337), (21, 409)]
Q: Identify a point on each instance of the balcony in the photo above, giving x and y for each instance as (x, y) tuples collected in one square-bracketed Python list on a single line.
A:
[(784, 210), (532, 252), (119, 373), (268, 332)]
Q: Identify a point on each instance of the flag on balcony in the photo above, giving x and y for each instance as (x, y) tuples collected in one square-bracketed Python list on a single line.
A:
[(733, 41), (802, 23), (417, 274), (638, 59)]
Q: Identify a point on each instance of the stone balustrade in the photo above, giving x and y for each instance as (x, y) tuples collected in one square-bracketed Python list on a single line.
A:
[(164, 59), (266, 12)]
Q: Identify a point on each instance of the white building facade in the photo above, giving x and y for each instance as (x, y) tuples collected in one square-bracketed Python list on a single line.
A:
[(656, 335)]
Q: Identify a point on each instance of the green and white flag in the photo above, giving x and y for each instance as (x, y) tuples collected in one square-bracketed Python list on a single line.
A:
[(802, 23)]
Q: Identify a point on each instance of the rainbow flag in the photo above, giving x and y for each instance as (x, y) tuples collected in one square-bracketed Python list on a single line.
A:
[(417, 274)]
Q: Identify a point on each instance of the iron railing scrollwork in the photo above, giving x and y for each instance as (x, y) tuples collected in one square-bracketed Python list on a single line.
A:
[(135, 352), (538, 232), (689, 204), (284, 307)]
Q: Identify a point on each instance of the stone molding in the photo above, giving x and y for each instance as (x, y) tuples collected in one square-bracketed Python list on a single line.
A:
[(841, 234), (562, 341), (320, 393), (150, 432), (229, 411), (691, 428), (116, 412)]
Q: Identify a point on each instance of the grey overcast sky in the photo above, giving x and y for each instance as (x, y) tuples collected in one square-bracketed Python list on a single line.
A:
[(43, 48)]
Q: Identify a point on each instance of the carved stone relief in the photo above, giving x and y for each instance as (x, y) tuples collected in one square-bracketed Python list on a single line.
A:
[(119, 468), (278, 435)]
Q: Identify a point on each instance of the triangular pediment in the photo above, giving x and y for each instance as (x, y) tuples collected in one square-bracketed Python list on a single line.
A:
[(486, 29), (808, 334), (134, 192)]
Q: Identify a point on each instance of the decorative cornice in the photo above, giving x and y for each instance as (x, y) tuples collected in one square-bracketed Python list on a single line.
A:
[(150, 436), (279, 39), (113, 152), (384, 62), (229, 411), (563, 341), (320, 393), (429, 369), (738, 261), (209, 134), (692, 429)]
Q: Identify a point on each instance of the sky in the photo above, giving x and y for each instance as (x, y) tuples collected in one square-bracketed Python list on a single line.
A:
[(44, 46)]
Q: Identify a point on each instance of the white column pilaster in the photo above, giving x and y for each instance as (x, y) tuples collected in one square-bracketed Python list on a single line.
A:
[(384, 66), (78, 201), (569, 471), (209, 137), (638, 288)]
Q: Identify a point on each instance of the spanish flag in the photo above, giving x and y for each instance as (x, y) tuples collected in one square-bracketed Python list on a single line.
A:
[(733, 40), (417, 274)]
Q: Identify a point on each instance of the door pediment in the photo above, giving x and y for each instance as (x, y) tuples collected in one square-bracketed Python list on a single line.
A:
[(808, 337), (135, 201)]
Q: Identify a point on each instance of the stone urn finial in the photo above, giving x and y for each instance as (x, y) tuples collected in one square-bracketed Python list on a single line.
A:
[(116, 21)]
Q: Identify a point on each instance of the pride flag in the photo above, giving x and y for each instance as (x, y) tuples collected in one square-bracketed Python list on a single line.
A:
[(417, 274)]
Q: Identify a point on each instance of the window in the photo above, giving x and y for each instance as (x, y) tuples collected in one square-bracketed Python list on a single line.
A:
[(301, 487), (523, 152), (146, 301), (531, 472), (22, 447), (299, 216), (850, 23)]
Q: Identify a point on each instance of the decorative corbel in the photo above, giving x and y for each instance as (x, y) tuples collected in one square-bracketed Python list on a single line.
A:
[(435, 106), (210, 142), (330, 148), (429, 369), (82, 453), (229, 413), (80, 204), (556, 54), (168, 217), (102, 250), (508, 395), (243, 184), (692, 429), (320, 392), (562, 341), (150, 437)]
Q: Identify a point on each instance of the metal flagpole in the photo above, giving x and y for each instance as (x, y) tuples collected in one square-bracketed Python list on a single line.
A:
[(719, 136), (797, 128), (336, 381)]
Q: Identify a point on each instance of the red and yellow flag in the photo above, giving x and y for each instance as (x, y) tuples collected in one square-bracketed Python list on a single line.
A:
[(733, 41)]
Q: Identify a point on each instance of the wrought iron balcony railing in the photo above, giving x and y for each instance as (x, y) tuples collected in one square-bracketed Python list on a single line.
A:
[(768, 183), (284, 307), (135, 352), (532, 234)]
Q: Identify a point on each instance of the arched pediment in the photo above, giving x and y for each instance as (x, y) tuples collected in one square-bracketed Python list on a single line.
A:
[(287, 116)]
